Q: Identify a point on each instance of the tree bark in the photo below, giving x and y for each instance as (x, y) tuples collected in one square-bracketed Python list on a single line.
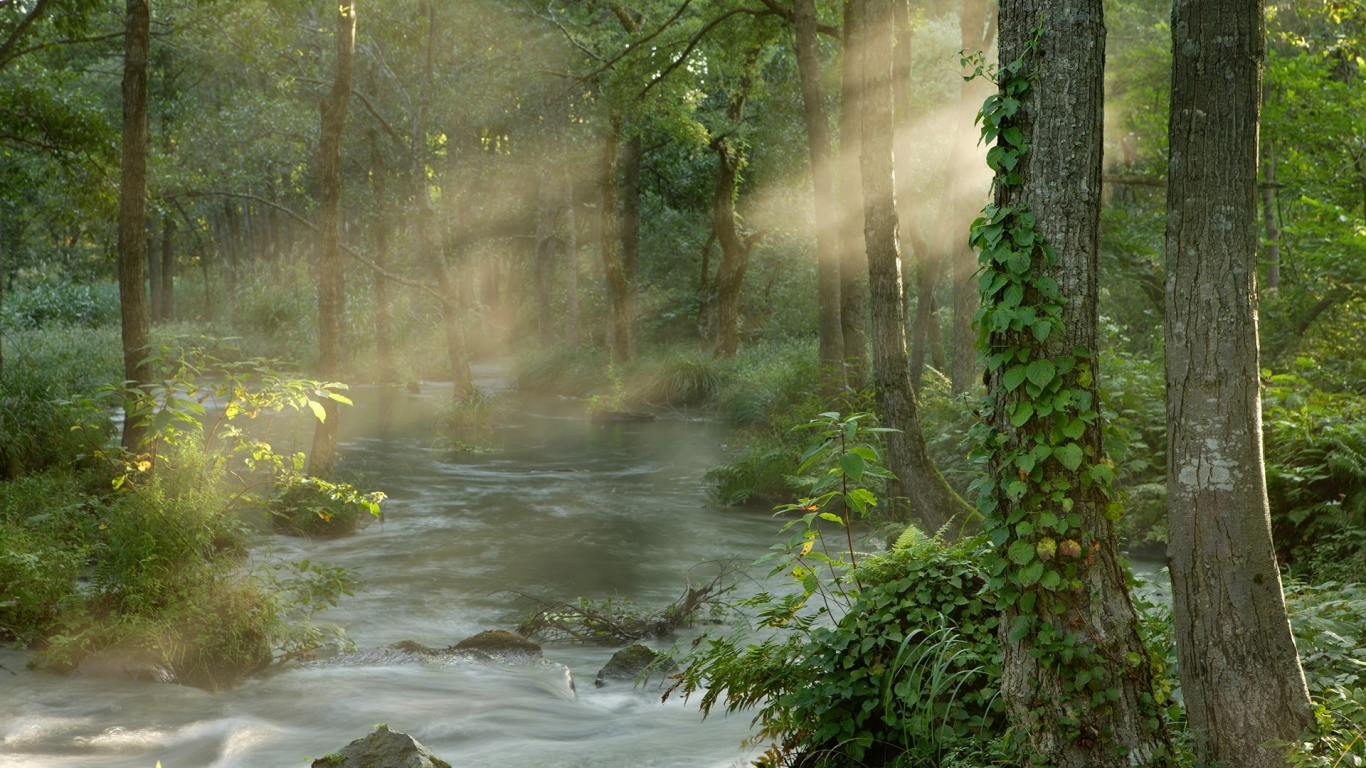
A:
[(853, 256), (632, 155), (384, 352), (918, 480), (1061, 118), (974, 36), (547, 216), (1272, 232), (166, 273), (428, 246), (133, 210), (571, 263), (618, 287), (730, 275), (823, 195), (332, 119), (1240, 672)]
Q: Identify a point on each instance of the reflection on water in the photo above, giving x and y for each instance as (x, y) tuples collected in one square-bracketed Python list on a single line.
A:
[(561, 508)]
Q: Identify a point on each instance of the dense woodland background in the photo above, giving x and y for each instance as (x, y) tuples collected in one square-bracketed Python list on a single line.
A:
[(666, 204)]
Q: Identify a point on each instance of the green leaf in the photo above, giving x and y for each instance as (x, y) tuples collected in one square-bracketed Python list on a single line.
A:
[(1050, 580), (1024, 410), (1041, 329), (853, 466), (317, 409), (1013, 377), (1069, 455), (1020, 552), (1041, 372)]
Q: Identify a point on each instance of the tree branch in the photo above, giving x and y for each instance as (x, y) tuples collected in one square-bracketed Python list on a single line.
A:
[(6, 48)]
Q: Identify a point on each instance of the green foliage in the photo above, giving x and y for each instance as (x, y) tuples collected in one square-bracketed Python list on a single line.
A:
[(45, 306), (480, 410)]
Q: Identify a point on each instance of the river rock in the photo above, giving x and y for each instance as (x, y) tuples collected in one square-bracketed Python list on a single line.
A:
[(382, 749), (627, 664), (497, 643)]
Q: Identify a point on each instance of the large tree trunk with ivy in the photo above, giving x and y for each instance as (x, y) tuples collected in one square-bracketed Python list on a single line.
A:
[(1076, 679), (332, 119), (1240, 673), (931, 499), (429, 246), (853, 257), (133, 209), (823, 189)]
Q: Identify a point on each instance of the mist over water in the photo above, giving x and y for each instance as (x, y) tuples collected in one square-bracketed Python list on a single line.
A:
[(561, 508)]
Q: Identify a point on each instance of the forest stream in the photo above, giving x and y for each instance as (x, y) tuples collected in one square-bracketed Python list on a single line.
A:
[(560, 508)]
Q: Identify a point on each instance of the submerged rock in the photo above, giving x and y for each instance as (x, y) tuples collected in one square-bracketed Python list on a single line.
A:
[(497, 642), (382, 749), (627, 664)]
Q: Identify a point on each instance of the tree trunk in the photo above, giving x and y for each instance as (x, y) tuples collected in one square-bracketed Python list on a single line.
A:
[(547, 216), (618, 287), (632, 155), (1272, 232), (730, 276), (1090, 629), (133, 210), (167, 271), (384, 352), (930, 497), (154, 273), (1240, 673), (972, 23), (571, 263), (332, 119), (429, 248), (853, 257), (823, 195)]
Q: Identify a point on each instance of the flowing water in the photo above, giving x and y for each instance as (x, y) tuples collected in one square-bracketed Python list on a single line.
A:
[(562, 508)]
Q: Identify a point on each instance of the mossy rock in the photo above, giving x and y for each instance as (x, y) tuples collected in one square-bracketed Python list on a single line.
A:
[(499, 642), (382, 749), (627, 664)]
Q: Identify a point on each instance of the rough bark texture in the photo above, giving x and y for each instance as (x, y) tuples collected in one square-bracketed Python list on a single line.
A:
[(730, 276), (975, 35), (1061, 118), (618, 287), (384, 352), (823, 187), (918, 258), (853, 257), (133, 207), (930, 497), (1239, 670), (332, 119), (429, 247)]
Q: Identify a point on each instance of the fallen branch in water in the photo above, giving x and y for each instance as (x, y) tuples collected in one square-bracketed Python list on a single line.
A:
[(616, 621)]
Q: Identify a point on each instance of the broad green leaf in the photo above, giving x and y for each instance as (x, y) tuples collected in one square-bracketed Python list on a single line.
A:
[(1069, 455), (317, 409), (1020, 552)]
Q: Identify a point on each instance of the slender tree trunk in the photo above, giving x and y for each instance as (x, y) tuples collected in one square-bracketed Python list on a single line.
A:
[(931, 499), (547, 217), (618, 287), (571, 263), (730, 276), (133, 209), (429, 248), (166, 274), (1240, 673), (1061, 120), (823, 195), (154, 274), (332, 119), (380, 221), (853, 256), (632, 155), (1272, 232), (972, 21)]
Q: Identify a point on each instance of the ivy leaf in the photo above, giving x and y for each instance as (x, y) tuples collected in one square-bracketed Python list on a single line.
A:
[(1041, 329), (1013, 135), (1050, 580), (1021, 552), (1014, 377), (1032, 573), (1024, 410), (1074, 429), (1041, 372), (1069, 456), (1019, 627)]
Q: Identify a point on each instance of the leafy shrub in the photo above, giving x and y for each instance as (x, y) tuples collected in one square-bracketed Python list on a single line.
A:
[(689, 378), (49, 306), (760, 473), (573, 372), (481, 409)]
